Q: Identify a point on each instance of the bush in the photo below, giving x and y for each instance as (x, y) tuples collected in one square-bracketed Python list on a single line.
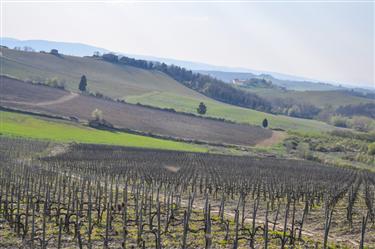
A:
[(202, 109), (265, 123), (97, 114), (361, 123), (365, 136), (54, 82), (101, 124), (303, 151), (371, 149), (339, 121), (98, 95)]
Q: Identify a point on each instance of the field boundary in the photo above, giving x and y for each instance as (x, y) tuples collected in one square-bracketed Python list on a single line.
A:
[(39, 114)]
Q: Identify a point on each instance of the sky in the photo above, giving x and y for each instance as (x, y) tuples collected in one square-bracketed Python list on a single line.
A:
[(329, 41)]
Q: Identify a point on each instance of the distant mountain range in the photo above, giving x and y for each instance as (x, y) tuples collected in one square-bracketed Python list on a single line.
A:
[(77, 49), (224, 73)]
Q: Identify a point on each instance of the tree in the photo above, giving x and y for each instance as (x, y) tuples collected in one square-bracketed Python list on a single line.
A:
[(83, 83), (265, 123), (202, 109), (361, 123), (339, 121), (97, 115)]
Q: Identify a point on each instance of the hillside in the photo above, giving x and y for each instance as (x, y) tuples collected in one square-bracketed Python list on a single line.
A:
[(136, 85), (79, 49), (283, 93), (334, 98), (113, 80), (229, 112), (127, 116)]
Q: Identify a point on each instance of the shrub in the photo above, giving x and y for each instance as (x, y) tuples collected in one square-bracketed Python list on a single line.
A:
[(97, 114), (361, 123), (54, 82), (98, 95), (371, 149), (366, 136), (293, 111), (202, 109), (265, 123), (303, 151), (339, 121)]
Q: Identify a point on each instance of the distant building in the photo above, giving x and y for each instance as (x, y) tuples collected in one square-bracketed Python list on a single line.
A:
[(238, 82), (110, 57), (54, 52)]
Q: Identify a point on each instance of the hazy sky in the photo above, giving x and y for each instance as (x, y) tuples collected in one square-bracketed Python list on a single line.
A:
[(328, 41)]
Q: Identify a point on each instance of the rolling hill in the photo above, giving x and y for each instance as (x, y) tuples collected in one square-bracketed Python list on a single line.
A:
[(136, 85), (303, 92), (167, 124), (113, 80), (321, 99), (79, 49)]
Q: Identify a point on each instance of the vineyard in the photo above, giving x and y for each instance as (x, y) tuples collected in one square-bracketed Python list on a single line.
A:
[(96, 196)]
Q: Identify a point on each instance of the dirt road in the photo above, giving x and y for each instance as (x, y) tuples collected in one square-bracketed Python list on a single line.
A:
[(61, 100)]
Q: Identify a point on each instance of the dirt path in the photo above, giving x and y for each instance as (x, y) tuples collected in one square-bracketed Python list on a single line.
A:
[(63, 99), (277, 137), (58, 149)]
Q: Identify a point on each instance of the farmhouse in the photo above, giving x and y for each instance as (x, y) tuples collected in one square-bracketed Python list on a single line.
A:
[(238, 82)]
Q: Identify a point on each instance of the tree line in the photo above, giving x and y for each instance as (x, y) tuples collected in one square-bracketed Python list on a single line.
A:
[(205, 84)]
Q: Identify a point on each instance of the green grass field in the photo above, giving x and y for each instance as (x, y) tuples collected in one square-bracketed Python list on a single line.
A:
[(234, 113), (20, 125)]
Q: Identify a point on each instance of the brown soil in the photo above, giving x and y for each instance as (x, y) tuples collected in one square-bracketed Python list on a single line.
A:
[(173, 169), (277, 137)]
